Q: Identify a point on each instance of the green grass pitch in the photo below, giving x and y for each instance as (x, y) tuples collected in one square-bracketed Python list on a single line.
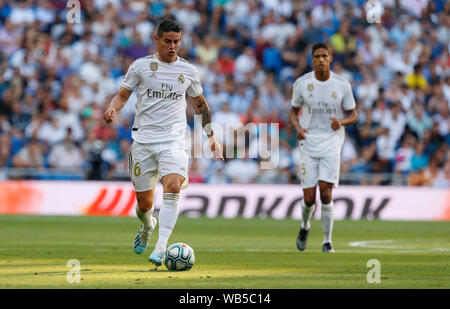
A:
[(230, 253)]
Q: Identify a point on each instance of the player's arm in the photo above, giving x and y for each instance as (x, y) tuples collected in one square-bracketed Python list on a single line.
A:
[(296, 103), (295, 123), (116, 104), (201, 108), (352, 118)]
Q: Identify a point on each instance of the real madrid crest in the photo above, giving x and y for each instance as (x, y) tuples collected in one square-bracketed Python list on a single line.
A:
[(334, 95), (154, 68), (181, 79)]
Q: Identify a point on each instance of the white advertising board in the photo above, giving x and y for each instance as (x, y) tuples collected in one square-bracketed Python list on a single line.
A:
[(227, 200)]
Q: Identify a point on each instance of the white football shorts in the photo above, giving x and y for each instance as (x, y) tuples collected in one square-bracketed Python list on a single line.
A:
[(313, 169), (149, 162)]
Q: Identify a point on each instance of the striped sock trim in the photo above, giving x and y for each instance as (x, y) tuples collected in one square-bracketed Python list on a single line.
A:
[(171, 196)]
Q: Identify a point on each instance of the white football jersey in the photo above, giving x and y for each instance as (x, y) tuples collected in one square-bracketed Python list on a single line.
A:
[(161, 97), (319, 101)]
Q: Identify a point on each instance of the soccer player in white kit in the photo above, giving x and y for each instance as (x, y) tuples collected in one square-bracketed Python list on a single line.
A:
[(159, 130), (327, 105)]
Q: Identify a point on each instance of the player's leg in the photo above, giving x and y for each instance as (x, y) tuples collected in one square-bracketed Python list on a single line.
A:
[(328, 178), (144, 207), (168, 214), (308, 179), (327, 214), (172, 166), (144, 175), (308, 206), (144, 211)]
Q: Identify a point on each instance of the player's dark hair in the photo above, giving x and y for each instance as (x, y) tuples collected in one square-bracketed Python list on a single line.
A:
[(319, 45), (168, 25)]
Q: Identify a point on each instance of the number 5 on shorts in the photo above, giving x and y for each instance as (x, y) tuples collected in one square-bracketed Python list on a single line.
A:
[(137, 170)]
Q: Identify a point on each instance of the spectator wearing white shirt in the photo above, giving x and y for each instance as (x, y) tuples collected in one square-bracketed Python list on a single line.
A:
[(9, 38), (406, 97), (381, 113), (418, 120), (399, 33), (367, 92), (285, 8), (69, 119), (385, 146), (239, 12), (414, 6), (187, 15), (378, 35), (396, 122), (22, 13), (30, 156), (322, 14), (442, 118), (51, 131), (244, 64), (403, 156), (45, 12), (394, 58), (283, 31), (66, 155), (101, 26), (101, 5), (145, 28)]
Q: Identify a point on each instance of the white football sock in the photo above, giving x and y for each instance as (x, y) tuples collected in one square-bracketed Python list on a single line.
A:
[(145, 217), (307, 213), (327, 221), (168, 215)]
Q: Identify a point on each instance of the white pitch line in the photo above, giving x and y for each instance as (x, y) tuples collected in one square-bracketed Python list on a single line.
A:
[(381, 244)]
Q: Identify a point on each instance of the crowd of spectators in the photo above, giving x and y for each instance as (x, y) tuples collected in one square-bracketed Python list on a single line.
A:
[(57, 76)]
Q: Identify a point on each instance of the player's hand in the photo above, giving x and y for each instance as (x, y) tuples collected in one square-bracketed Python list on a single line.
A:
[(216, 148), (335, 123), (302, 134), (110, 115)]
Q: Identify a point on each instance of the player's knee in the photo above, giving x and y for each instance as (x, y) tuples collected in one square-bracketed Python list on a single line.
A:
[(172, 187), (172, 183), (309, 200), (325, 196), (145, 203)]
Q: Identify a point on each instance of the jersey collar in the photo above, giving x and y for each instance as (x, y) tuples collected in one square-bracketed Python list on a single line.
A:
[(176, 61), (323, 82)]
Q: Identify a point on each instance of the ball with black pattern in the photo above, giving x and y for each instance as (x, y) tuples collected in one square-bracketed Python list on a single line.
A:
[(179, 257)]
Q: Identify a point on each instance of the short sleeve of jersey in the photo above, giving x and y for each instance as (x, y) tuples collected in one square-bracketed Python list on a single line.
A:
[(131, 79), (348, 101), (297, 99), (195, 88)]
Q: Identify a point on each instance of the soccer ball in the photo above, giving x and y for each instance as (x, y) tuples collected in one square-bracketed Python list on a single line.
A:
[(179, 257)]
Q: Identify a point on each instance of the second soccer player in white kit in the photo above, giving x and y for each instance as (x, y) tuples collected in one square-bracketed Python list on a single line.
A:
[(159, 130), (327, 105)]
